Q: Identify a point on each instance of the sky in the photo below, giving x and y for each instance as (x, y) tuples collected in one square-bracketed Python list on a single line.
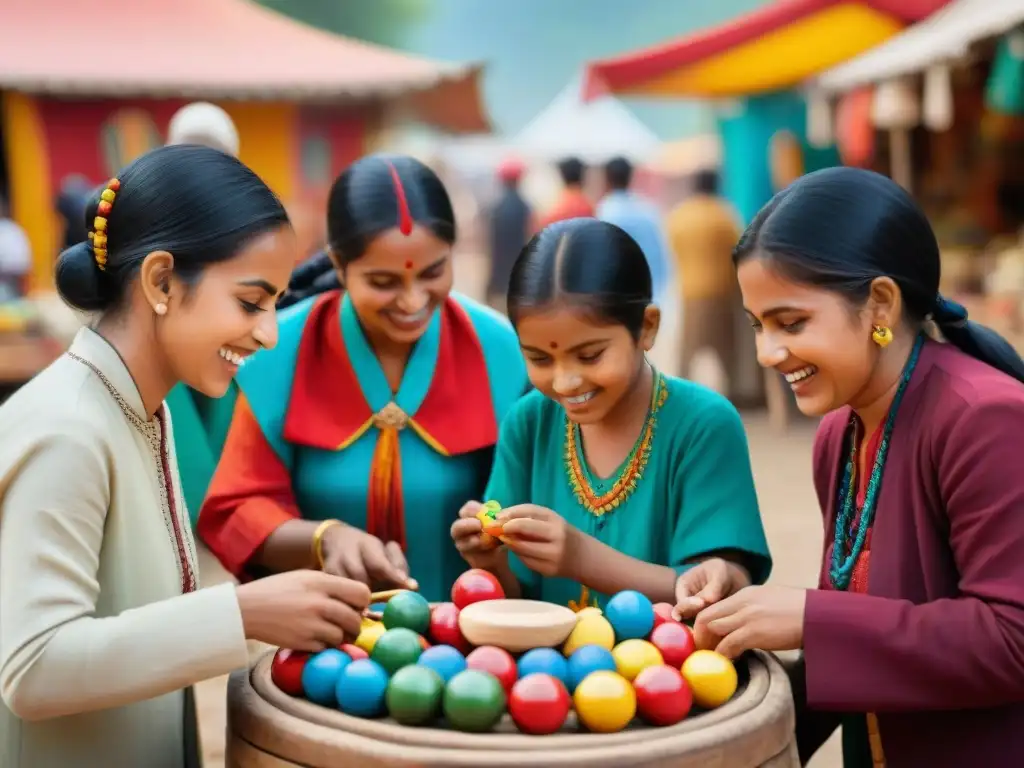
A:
[(533, 48)]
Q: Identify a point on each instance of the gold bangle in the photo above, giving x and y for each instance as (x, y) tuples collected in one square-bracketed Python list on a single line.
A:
[(318, 541)]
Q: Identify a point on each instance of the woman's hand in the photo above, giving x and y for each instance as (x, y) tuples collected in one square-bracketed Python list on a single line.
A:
[(303, 610), (769, 618), (541, 538), (706, 583), (357, 555), (477, 548)]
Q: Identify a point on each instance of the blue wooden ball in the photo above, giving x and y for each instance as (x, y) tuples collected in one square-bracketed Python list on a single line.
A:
[(631, 615), (587, 659), (446, 660), (320, 676), (361, 689), (545, 661)]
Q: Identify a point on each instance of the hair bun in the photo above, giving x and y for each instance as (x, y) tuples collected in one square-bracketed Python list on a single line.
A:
[(80, 281)]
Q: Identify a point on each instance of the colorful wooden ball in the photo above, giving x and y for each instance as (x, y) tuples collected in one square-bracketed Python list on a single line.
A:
[(712, 678), (663, 613), (320, 676), (605, 702), (589, 658), (675, 641), (397, 648), (286, 670), (590, 629), (354, 651), (369, 635), (361, 689), (496, 661), (633, 656), (414, 695), (409, 610), (539, 704), (444, 627), (474, 586), (662, 696), (473, 701), (630, 614), (545, 661), (444, 660)]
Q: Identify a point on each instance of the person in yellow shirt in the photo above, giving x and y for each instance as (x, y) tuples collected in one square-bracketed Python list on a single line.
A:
[(702, 231)]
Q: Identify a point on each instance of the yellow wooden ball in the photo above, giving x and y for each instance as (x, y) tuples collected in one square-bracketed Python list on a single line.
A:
[(634, 656), (370, 633), (605, 701), (712, 678), (590, 629)]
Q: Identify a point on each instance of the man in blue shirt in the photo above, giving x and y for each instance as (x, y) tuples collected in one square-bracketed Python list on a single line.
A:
[(639, 217)]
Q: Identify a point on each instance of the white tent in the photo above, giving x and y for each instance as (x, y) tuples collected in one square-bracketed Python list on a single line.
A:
[(593, 131), (944, 36)]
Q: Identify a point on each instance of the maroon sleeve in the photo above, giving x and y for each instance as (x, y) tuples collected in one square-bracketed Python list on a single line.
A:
[(868, 653)]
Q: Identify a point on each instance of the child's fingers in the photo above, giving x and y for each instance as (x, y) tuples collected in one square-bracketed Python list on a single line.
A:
[(526, 528), (523, 512), (466, 526), (470, 544), (470, 509)]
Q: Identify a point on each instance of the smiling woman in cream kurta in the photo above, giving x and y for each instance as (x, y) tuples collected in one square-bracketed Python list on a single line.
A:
[(99, 604)]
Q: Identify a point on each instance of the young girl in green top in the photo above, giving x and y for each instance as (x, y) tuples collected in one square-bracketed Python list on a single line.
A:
[(611, 475)]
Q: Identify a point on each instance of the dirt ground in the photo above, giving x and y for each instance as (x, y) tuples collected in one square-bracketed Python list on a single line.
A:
[(783, 477)]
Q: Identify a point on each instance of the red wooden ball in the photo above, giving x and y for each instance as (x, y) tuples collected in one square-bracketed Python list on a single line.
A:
[(475, 586), (286, 670), (662, 614), (497, 661), (675, 641), (662, 695), (539, 704), (354, 651), (444, 628)]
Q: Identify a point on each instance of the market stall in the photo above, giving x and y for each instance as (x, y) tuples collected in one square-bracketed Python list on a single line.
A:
[(940, 108), (305, 103)]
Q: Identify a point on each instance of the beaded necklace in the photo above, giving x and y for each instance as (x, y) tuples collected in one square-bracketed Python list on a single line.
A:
[(843, 562), (628, 477)]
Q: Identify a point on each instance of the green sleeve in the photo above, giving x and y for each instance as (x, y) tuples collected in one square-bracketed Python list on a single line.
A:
[(196, 461), (510, 479), (718, 504), (217, 414)]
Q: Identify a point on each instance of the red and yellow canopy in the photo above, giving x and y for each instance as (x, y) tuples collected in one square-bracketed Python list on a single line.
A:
[(773, 48)]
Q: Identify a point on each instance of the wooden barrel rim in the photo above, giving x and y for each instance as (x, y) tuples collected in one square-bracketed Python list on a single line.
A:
[(759, 721)]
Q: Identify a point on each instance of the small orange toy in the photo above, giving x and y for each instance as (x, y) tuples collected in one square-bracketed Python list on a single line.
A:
[(488, 517)]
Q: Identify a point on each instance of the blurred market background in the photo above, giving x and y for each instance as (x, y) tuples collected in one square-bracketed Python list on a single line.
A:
[(713, 105)]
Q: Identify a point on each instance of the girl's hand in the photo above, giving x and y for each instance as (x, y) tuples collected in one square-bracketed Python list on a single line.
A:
[(476, 548), (302, 610), (706, 583), (541, 538), (357, 555), (769, 618)]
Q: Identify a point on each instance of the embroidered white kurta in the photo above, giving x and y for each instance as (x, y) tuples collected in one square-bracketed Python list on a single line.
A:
[(101, 628)]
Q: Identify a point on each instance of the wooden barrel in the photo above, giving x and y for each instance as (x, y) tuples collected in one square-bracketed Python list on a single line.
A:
[(269, 729)]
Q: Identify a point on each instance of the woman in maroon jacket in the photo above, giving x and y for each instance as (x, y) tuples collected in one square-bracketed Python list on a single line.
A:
[(915, 635)]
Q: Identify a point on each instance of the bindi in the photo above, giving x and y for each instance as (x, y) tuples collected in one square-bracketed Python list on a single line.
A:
[(554, 345), (408, 265)]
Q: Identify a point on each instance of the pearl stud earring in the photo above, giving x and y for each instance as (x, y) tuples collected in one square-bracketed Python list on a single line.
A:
[(160, 309)]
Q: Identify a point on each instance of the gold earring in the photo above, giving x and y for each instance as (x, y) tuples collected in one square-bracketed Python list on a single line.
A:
[(160, 309), (882, 335)]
